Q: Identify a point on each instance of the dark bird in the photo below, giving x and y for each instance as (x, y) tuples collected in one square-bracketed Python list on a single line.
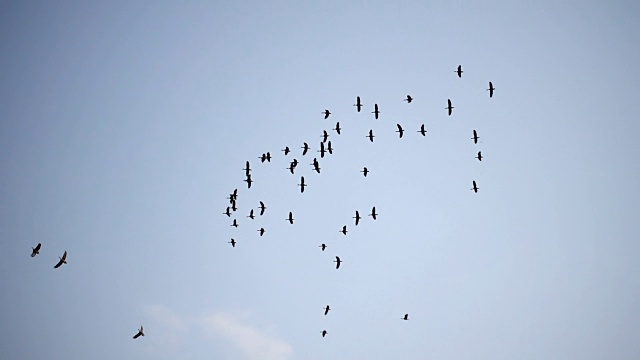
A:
[(370, 136), (262, 208), (329, 148), (337, 261), (36, 250), (290, 218), (337, 128), (459, 71), (344, 230), (261, 231), (235, 223), (373, 213), (268, 156), (140, 333), (326, 310), (475, 187), (376, 111), (405, 317), (479, 157), (422, 130), (291, 168), (326, 114), (294, 162), (305, 148), (63, 260), (324, 333), (322, 246), (247, 169), (449, 107), (286, 150), (234, 194), (358, 104), (321, 151), (409, 99), (233, 206), (248, 181), (357, 217), (232, 242), (251, 215), (324, 136), (302, 184), (316, 166), (263, 157), (365, 171), (475, 137), (490, 89), (400, 130), (228, 212)]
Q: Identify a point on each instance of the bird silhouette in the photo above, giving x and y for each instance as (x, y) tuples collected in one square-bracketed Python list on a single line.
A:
[(344, 230), (290, 218), (475, 137), (232, 242), (235, 223), (422, 130), (324, 136), (475, 187), (329, 148), (322, 246), (286, 150), (490, 89), (233, 206), (36, 250), (337, 128), (365, 171), (326, 309), (324, 333), (376, 111), (409, 99), (268, 156), (358, 104), (251, 215), (305, 148), (459, 71), (262, 208), (449, 107), (261, 231), (357, 217), (302, 184), (63, 260), (405, 317), (479, 157), (140, 333), (228, 212), (247, 169), (326, 114), (316, 165), (337, 261), (291, 168), (263, 157), (400, 131), (373, 213), (248, 181), (322, 150), (370, 136)]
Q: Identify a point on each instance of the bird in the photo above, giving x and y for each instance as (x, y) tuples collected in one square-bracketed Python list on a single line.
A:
[(479, 157), (459, 71), (449, 107), (316, 165), (323, 246), (337, 128), (475, 187), (235, 223), (329, 148), (251, 215), (262, 208), (234, 194), (475, 137), (286, 150), (344, 230), (228, 212), (261, 231), (324, 333), (324, 136), (422, 130), (365, 171), (409, 99), (232, 242), (358, 104), (247, 168), (376, 111), (268, 156), (321, 151), (305, 148), (233, 206), (140, 333), (302, 184), (490, 89), (263, 157), (400, 130), (326, 309), (290, 218), (36, 250), (248, 181), (357, 217), (405, 317), (291, 168), (326, 114), (294, 162), (337, 261), (63, 260), (370, 136), (373, 213)]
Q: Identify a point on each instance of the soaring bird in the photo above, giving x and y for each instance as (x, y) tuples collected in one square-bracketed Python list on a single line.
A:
[(422, 130), (248, 181), (262, 208), (329, 148), (324, 333), (370, 136), (365, 171), (316, 165), (247, 169), (235, 223), (140, 333), (302, 184), (475, 137), (324, 136), (344, 230), (337, 128), (326, 114), (405, 317), (290, 218), (373, 213), (36, 250), (459, 71), (322, 246), (321, 151), (261, 231), (376, 111), (251, 215), (490, 89), (409, 99), (357, 217), (232, 242), (449, 107), (337, 261), (326, 309), (63, 260), (286, 150), (479, 157), (305, 148), (358, 104), (400, 130), (228, 212), (475, 187)]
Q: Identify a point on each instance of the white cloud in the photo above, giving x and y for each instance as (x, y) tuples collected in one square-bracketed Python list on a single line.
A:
[(166, 327)]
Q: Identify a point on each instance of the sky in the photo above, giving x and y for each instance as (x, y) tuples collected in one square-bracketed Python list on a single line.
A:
[(124, 127)]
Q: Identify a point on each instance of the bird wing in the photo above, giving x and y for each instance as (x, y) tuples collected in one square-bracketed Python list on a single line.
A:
[(337, 262), (58, 264), (37, 248), (326, 311), (64, 256)]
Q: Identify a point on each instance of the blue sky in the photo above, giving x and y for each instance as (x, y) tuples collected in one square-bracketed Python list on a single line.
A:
[(126, 125)]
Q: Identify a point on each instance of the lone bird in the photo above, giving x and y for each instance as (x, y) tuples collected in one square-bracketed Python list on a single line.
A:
[(475, 187), (459, 71), (302, 184), (373, 213), (344, 230), (235, 223), (305, 148), (405, 317), (409, 99), (251, 215), (400, 130), (140, 333), (357, 217), (36, 250), (449, 107), (370, 136), (322, 246), (358, 104), (63, 260), (479, 157), (324, 136), (247, 169), (326, 309), (376, 111), (490, 89), (337, 261), (475, 137), (422, 130), (228, 212), (326, 114), (337, 128), (262, 208), (286, 150), (232, 242), (290, 218), (365, 171), (261, 231), (324, 333), (329, 148)]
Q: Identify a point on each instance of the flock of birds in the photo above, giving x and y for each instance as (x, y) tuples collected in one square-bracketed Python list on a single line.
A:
[(325, 148)]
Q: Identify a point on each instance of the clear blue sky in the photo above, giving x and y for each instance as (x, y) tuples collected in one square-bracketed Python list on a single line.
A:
[(125, 125)]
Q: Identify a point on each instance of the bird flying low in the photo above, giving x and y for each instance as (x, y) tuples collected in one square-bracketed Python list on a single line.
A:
[(286, 150), (449, 107), (405, 317), (261, 231), (337, 128), (422, 130), (376, 111), (373, 213), (322, 246), (370, 136), (262, 208), (479, 157), (326, 309), (365, 171), (326, 114), (290, 218), (409, 99), (344, 230), (140, 333), (475, 137), (36, 250), (475, 187), (337, 261), (63, 260), (305, 148), (400, 131), (358, 104), (490, 89), (302, 184), (459, 71), (357, 217), (232, 242)]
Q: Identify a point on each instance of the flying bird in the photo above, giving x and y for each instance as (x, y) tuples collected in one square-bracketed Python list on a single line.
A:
[(263, 157), (63, 260), (268, 156), (251, 215), (290, 218), (337, 128), (302, 184), (235, 223), (36, 250), (316, 165), (286, 150), (329, 148), (400, 130), (475, 137), (365, 171), (291, 168), (261, 231), (305, 148), (344, 230), (459, 71), (449, 107), (228, 212), (233, 206), (248, 181), (376, 111), (358, 104), (337, 261), (405, 317), (475, 187), (247, 169), (422, 130), (322, 246), (370, 136), (324, 136), (321, 151), (326, 114), (373, 213), (324, 333), (479, 157), (409, 99), (140, 333), (326, 309), (232, 242), (490, 89), (262, 208), (357, 217)]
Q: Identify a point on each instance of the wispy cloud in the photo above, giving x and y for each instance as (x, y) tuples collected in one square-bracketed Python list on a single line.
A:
[(167, 327)]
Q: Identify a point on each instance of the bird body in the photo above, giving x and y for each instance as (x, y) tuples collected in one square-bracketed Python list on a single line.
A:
[(479, 157), (449, 107), (326, 309), (459, 71), (409, 99), (475, 187), (375, 111), (326, 114), (261, 231), (357, 217), (322, 246), (248, 181), (329, 148), (140, 333), (422, 130), (232, 242), (373, 213), (36, 250), (251, 215), (405, 317), (337, 261), (324, 136), (235, 223), (286, 151), (247, 168), (302, 184), (358, 104), (475, 137), (337, 128), (290, 218), (365, 171), (400, 131), (344, 230), (228, 211), (370, 136), (305, 148), (490, 89)]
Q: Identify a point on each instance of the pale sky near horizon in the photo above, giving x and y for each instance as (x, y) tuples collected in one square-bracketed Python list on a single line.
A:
[(125, 125)]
